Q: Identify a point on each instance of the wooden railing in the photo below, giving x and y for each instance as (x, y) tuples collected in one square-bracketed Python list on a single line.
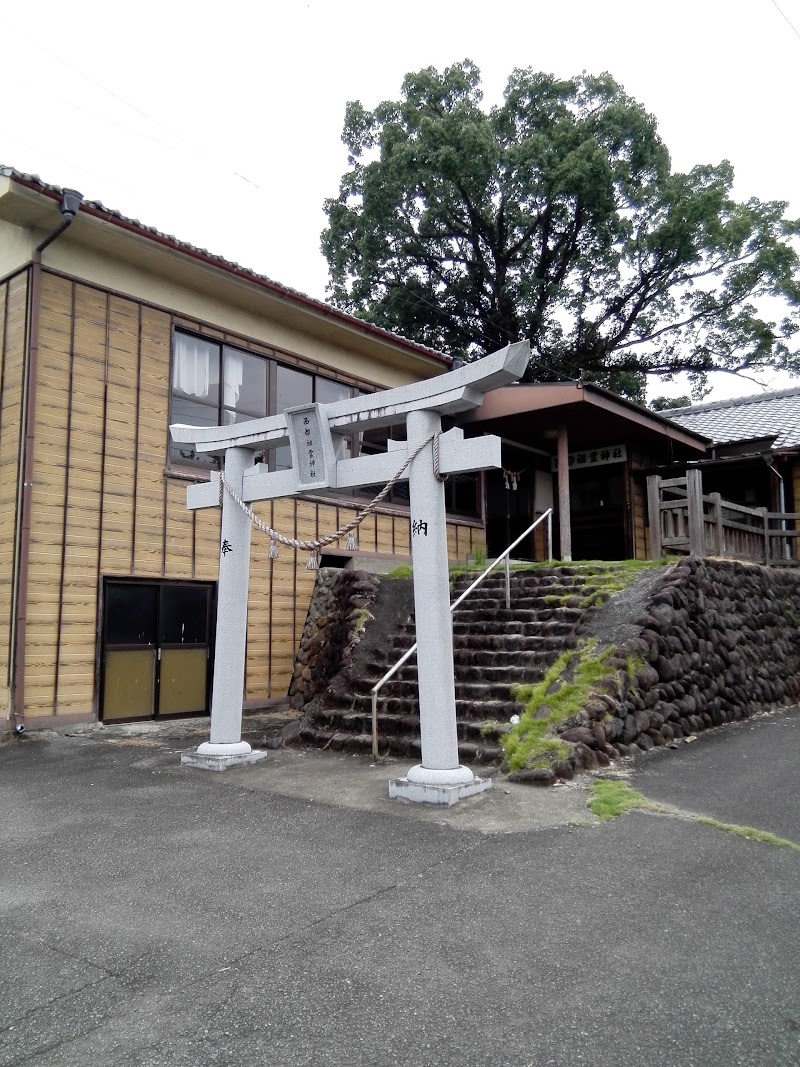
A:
[(684, 521)]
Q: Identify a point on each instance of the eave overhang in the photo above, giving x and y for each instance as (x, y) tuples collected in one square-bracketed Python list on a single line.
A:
[(587, 410), (31, 204)]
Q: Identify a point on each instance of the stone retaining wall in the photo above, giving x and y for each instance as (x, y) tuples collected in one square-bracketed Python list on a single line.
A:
[(719, 641), (336, 615)]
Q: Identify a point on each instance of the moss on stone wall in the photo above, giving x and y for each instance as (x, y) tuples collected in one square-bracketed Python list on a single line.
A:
[(718, 641)]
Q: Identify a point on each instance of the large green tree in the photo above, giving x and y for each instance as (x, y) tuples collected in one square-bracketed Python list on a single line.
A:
[(555, 216)]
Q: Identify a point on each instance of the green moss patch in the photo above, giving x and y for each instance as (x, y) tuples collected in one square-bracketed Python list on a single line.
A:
[(564, 692), (609, 576), (404, 570), (748, 832), (604, 579), (613, 578), (612, 798), (577, 675)]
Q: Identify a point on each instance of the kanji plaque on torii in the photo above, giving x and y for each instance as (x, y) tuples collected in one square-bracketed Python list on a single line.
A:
[(316, 434)]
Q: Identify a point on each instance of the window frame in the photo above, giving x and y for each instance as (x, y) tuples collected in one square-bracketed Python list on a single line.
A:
[(194, 469), (185, 466)]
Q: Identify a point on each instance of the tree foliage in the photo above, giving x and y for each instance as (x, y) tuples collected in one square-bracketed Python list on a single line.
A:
[(555, 216), (669, 403)]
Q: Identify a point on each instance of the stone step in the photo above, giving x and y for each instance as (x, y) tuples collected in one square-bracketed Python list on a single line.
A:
[(497, 593), (550, 639), (535, 655), (469, 648), (471, 690), (528, 608), (401, 747), (339, 720), (534, 617), (513, 625), (524, 603), (525, 580), (513, 672), (492, 633), (490, 650), (474, 710)]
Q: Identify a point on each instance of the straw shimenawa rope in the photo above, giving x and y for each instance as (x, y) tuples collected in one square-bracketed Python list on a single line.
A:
[(328, 539)]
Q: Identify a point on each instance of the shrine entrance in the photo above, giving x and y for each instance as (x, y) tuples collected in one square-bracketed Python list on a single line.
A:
[(598, 514), (316, 435), (521, 491)]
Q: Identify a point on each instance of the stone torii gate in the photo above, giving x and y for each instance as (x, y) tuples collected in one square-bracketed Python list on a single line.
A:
[(316, 434)]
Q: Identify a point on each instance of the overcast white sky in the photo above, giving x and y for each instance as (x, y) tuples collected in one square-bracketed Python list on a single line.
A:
[(221, 123)]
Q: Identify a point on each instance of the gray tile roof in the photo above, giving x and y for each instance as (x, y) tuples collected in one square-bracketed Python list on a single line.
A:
[(774, 415)]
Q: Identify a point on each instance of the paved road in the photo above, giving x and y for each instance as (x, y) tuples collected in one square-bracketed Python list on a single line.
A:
[(288, 914)]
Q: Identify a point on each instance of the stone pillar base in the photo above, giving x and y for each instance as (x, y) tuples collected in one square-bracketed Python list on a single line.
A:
[(224, 748), (219, 761), (432, 793)]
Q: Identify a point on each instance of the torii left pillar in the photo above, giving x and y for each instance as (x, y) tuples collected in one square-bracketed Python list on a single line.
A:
[(225, 747)]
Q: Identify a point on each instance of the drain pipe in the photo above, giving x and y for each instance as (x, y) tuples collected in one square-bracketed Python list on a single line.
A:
[(770, 462), (70, 205)]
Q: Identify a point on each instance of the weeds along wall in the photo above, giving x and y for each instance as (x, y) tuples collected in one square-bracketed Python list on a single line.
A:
[(106, 505)]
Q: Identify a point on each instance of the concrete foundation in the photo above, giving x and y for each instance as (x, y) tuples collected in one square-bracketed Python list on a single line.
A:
[(206, 762), (428, 793)]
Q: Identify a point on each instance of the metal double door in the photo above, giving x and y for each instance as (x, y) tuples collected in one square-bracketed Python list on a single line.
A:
[(156, 649)]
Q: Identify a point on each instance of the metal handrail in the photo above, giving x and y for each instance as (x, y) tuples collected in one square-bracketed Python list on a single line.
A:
[(503, 558)]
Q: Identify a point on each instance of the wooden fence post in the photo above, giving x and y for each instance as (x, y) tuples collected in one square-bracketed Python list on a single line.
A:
[(694, 499), (654, 513), (720, 532), (767, 559)]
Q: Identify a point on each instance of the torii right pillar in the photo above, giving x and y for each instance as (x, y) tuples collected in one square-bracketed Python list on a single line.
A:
[(439, 778)]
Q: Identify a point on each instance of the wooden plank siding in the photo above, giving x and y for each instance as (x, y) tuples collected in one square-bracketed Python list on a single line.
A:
[(637, 495), (104, 506), (13, 320)]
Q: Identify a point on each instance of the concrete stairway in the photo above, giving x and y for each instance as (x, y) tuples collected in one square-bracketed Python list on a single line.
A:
[(494, 648)]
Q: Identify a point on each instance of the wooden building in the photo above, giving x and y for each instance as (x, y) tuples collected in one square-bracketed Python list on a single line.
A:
[(109, 331)]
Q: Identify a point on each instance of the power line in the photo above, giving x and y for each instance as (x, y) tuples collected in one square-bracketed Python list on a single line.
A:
[(794, 29), (174, 134)]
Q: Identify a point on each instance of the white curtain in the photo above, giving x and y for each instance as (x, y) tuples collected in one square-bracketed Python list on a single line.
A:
[(233, 371), (192, 371)]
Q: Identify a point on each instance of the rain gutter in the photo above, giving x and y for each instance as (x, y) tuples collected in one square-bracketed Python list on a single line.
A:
[(70, 205)]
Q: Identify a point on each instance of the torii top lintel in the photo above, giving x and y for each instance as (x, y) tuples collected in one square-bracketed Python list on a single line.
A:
[(458, 390)]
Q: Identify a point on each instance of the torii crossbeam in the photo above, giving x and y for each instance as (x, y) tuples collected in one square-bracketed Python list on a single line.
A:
[(316, 434)]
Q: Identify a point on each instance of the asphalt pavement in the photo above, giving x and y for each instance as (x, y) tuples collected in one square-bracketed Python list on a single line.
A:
[(287, 913)]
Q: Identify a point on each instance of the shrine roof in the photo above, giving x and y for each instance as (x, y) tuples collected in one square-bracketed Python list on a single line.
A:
[(774, 416), (587, 410)]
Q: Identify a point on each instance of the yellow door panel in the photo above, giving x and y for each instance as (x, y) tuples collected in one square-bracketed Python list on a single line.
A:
[(129, 684), (183, 680)]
